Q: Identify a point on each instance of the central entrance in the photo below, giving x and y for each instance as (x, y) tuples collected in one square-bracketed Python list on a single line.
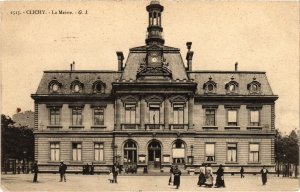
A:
[(154, 155)]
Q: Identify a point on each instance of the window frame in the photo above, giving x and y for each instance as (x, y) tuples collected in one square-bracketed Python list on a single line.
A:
[(181, 119), (209, 115), (205, 152), (58, 110), (130, 113), (77, 157), (99, 153), (259, 118), (236, 123), (77, 109), (236, 152), (101, 110), (55, 151), (157, 111), (249, 153)]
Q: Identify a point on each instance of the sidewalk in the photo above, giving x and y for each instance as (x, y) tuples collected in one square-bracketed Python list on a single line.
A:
[(50, 182)]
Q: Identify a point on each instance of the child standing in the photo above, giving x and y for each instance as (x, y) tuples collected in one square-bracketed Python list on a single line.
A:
[(111, 177)]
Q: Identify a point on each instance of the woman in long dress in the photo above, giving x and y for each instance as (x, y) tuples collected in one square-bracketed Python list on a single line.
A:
[(176, 173), (220, 177), (208, 177), (201, 179)]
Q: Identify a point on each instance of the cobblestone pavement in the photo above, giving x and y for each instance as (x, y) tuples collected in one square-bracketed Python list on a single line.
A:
[(49, 182)]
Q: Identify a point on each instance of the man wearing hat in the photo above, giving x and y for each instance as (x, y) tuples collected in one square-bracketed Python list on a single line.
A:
[(62, 171)]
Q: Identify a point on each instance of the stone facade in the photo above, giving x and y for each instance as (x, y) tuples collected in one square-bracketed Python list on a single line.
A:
[(153, 112)]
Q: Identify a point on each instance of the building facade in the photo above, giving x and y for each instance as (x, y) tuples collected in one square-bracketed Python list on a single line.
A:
[(153, 112)]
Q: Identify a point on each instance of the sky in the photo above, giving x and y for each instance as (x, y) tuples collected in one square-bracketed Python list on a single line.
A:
[(260, 36)]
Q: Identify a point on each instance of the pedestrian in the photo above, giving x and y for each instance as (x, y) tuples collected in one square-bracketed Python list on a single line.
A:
[(110, 177), (264, 172), (92, 169), (171, 175), (208, 176), (115, 172), (176, 173), (220, 177), (35, 170), (201, 178), (242, 172), (62, 171), (87, 169)]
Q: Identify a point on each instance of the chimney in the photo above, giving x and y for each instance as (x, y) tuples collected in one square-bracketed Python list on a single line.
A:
[(236, 66), (120, 60), (72, 65), (189, 56)]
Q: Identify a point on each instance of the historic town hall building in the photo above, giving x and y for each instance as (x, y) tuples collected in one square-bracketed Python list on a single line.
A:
[(154, 111)]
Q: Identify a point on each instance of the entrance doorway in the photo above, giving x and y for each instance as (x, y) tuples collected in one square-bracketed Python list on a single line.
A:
[(130, 156), (154, 155)]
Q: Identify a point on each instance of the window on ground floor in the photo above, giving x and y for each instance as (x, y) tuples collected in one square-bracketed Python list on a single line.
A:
[(253, 152), (76, 150), (209, 152), (178, 151), (54, 151), (99, 151), (231, 152)]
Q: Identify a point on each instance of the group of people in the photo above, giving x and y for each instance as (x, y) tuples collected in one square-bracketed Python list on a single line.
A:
[(88, 169), (206, 177)]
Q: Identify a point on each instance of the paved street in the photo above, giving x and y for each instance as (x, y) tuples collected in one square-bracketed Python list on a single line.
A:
[(49, 182)]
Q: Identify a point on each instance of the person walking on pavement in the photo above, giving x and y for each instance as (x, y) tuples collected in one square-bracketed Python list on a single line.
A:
[(264, 172), (62, 171), (171, 175), (92, 169), (115, 172), (242, 172), (220, 177), (201, 178), (35, 170), (208, 176), (176, 173)]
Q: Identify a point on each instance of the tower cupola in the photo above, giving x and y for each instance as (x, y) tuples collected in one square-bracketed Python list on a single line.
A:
[(154, 30)]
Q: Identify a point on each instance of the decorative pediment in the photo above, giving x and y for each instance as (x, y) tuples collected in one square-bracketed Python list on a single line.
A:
[(178, 99), (154, 99), (130, 99)]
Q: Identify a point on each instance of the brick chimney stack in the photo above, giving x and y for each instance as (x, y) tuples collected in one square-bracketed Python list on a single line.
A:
[(120, 60), (189, 56), (236, 66)]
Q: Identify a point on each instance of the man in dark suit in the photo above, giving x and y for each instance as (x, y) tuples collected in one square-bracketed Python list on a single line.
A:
[(115, 172), (35, 170), (62, 171)]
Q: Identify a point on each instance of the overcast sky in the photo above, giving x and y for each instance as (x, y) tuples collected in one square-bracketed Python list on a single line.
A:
[(261, 36)]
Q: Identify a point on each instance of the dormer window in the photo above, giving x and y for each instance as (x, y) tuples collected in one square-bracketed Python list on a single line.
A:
[(232, 87), (76, 86), (54, 86), (99, 87), (254, 87), (210, 86)]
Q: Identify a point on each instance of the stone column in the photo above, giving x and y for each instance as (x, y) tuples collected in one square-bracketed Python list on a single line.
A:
[(142, 113), (191, 112), (118, 113), (166, 112)]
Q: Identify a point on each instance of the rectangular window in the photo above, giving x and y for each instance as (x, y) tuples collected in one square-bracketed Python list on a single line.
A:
[(254, 152), (130, 111), (76, 150), (54, 151), (54, 116), (98, 116), (232, 117), (231, 152), (99, 151), (154, 113), (76, 116), (210, 117), (178, 114), (254, 118), (210, 152)]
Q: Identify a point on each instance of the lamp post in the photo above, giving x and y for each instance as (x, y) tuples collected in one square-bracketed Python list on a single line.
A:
[(284, 162), (116, 153)]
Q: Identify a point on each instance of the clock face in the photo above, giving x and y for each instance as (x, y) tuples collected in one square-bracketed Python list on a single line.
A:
[(154, 59)]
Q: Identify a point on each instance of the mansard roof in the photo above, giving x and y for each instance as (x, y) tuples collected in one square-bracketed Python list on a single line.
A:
[(87, 78), (221, 78)]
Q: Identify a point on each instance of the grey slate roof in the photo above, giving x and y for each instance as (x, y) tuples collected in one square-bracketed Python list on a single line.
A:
[(85, 77), (221, 78)]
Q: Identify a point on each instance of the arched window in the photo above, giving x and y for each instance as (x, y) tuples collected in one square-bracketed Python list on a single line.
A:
[(130, 152), (76, 86), (54, 86), (98, 87), (210, 86), (232, 87), (178, 152), (254, 87), (154, 152)]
